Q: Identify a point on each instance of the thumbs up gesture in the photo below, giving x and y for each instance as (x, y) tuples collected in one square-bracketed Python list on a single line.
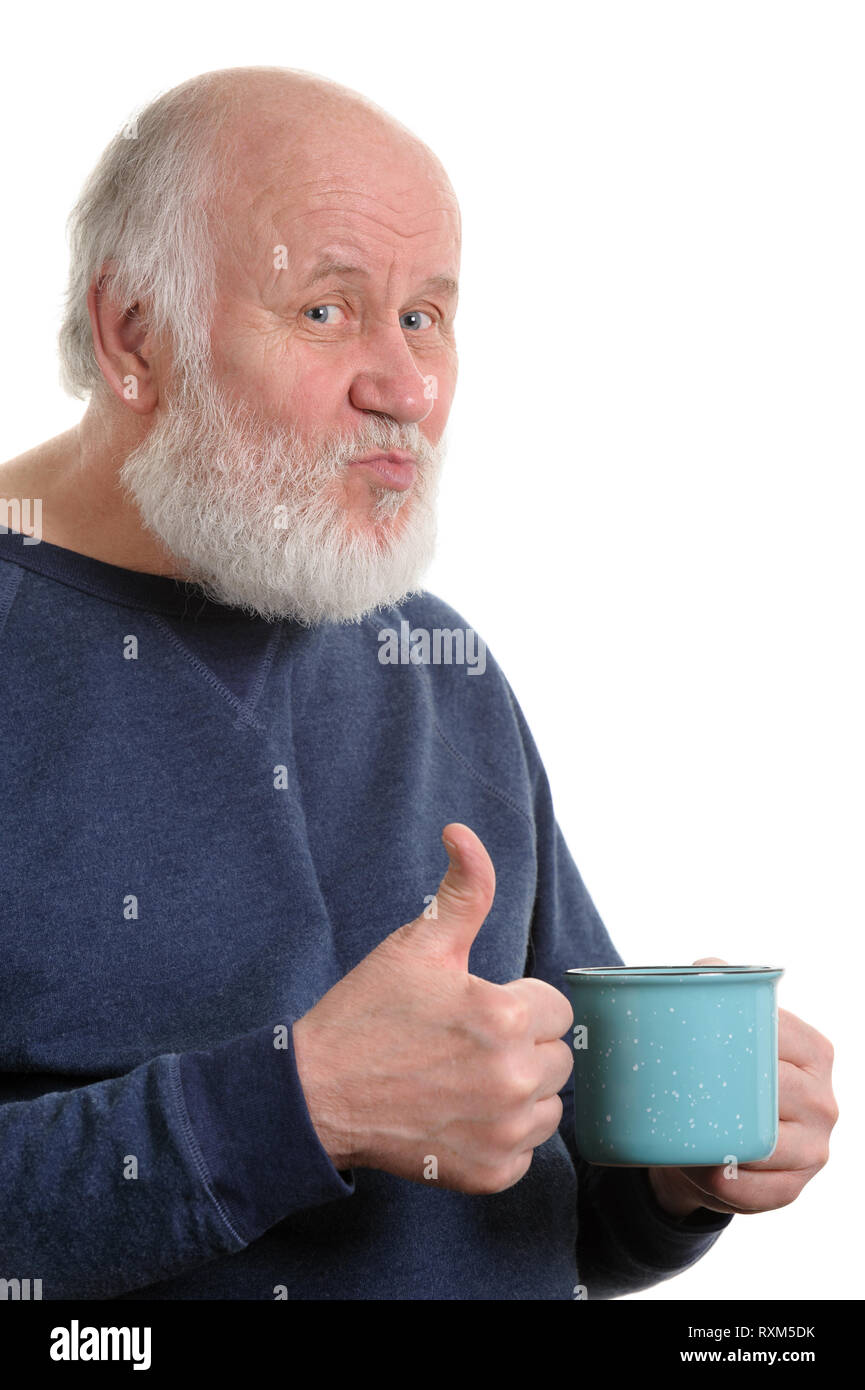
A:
[(409, 1056)]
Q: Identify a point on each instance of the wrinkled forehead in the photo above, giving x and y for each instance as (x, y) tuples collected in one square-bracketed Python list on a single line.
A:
[(309, 183)]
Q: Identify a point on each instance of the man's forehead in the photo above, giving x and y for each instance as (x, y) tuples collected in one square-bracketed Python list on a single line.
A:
[(332, 264), (328, 229), (370, 198), (362, 194)]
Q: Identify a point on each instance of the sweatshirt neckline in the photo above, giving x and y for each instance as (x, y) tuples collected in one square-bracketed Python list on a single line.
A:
[(157, 593)]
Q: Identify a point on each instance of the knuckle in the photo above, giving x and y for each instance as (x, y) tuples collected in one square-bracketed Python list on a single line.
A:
[(830, 1110), (790, 1191), (567, 1063), (508, 1134), (492, 1178), (522, 1166), (500, 1081), (522, 1085), (510, 1018), (553, 1110), (559, 1013), (508, 1174)]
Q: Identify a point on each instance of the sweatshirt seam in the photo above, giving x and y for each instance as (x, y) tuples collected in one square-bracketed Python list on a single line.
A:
[(265, 668), (244, 709), (480, 778), (112, 599), (241, 709), (196, 1154), (9, 596)]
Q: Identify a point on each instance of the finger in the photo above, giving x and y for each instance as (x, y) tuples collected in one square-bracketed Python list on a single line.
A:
[(551, 1014), (746, 1192), (544, 1122), (698, 1182), (794, 1151), (555, 1062), (802, 1045), (534, 1126), (463, 900), (802, 1096), (729, 1200)]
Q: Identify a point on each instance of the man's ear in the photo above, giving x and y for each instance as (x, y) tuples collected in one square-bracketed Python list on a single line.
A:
[(123, 345)]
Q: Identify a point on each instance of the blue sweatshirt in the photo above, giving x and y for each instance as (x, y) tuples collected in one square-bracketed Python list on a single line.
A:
[(206, 821)]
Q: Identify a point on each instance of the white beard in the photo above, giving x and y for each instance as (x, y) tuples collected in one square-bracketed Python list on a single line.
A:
[(256, 514)]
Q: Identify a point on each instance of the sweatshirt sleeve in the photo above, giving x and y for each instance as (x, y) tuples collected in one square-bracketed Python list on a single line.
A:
[(625, 1240), (113, 1186)]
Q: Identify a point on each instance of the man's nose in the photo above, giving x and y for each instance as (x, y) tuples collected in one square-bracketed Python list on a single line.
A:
[(388, 380)]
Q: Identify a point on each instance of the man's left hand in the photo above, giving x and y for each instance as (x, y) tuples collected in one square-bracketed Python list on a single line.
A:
[(807, 1114)]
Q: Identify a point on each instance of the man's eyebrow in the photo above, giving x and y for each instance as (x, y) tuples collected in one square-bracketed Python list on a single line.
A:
[(445, 284)]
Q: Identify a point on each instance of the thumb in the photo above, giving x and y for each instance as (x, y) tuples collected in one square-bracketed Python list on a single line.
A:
[(464, 898), (711, 960)]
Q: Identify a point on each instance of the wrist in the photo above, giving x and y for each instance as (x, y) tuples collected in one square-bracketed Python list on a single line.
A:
[(671, 1193), (322, 1100)]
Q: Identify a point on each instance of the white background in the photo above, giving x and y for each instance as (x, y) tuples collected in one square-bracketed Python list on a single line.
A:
[(652, 509)]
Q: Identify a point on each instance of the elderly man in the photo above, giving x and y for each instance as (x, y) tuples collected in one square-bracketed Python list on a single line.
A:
[(243, 1055)]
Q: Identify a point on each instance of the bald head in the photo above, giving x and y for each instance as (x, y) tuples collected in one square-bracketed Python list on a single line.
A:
[(267, 106), (302, 150)]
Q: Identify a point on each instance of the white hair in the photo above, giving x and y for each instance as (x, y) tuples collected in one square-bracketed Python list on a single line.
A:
[(145, 209)]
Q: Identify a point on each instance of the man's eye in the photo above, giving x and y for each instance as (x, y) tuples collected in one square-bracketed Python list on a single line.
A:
[(416, 314), (323, 309), (322, 313)]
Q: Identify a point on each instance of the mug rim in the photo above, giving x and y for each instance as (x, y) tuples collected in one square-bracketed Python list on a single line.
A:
[(652, 972)]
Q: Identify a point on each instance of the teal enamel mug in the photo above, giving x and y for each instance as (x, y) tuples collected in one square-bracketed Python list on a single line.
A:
[(675, 1064)]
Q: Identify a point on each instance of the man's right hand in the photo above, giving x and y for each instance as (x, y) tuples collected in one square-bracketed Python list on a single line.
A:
[(409, 1056)]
